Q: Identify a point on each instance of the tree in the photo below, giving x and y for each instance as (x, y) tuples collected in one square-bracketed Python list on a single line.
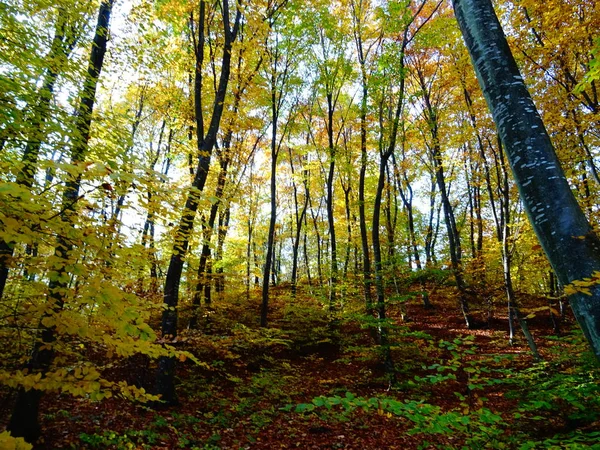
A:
[(206, 142), (360, 12), (24, 419), (281, 56), (567, 238), (333, 71), (224, 152), (62, 45), (431, 112)]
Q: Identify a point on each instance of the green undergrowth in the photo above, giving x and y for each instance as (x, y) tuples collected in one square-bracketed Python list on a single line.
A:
[(551, 405), (446, 393)]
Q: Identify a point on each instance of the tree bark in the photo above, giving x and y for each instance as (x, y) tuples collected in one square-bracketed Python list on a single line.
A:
[(299, 216), (273, 216), (329, 202), (205, 255), (454, 242), (364, 239), (24, 420), (165, 386), (224, 218), (61, 47), (567, 238)]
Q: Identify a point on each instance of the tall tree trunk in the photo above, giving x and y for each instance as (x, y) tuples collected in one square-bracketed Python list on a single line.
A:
[(305, 246), (202, 277), (224, 218), (249, 259), (472, 170), (256, 264), (24, 420), (280, 70), (224, 156), (329, 203), (315, 222), (507, 252), (430, 259), (299, 218), (384, 156), (148, 231), (250, 241), (362, 219), (454, 241), (62, 45), (347, 190), (165, 376), (382, 330), (407, 200), (564, 233), (390, 220), (273, 217)]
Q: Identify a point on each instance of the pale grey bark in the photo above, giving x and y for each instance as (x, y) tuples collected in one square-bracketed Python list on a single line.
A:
[(572, 247)]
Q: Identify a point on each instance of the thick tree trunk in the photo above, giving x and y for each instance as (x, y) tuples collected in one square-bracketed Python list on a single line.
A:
[(564, 233), (24, 420)]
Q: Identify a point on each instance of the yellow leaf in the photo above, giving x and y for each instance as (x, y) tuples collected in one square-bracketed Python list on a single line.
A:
[(11, 443)]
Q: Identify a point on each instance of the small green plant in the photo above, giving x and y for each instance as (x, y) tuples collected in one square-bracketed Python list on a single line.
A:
[(266, 387), (475, 427), (565, 391)]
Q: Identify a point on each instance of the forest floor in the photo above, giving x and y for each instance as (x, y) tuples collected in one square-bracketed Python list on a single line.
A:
[(304, 383)]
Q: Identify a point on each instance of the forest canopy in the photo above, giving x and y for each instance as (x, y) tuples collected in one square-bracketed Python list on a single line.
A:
[(199, 195)]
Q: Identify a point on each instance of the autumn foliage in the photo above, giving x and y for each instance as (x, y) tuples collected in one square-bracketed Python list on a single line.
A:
[(279, 223)]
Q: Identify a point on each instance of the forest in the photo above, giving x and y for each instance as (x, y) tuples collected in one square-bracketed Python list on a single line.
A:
[(363, 224)]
